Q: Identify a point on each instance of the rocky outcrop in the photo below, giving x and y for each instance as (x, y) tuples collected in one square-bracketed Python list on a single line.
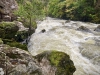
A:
[(6, 9), (12, 33), (14, 61)]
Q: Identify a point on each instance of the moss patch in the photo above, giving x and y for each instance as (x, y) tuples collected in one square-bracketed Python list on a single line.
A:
[(13, 43), (18, 45), (8, 30), (62, 62), (7, 24), (55, 57)]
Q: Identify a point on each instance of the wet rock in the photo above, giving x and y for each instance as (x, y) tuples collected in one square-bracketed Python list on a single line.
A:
[(21, 35), (67, 21), (56, 63), (43, 30), (97, 28), (83, 28), (24, 36)]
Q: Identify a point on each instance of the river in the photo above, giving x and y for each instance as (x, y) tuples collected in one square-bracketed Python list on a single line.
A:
[(83, 47)]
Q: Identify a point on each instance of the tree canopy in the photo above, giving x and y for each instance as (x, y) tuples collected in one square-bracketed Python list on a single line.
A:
[(84, 10)]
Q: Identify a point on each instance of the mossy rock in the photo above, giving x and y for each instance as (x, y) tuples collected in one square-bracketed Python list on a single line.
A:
[(18, 45), (5, 41), (60, 60), (8, 30)]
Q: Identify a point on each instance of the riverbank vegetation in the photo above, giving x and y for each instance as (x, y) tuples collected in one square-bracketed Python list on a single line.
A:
[(82, 10)]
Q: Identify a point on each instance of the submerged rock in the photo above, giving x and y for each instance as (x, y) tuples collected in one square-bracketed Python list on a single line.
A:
[(43, 30), (83, 28)]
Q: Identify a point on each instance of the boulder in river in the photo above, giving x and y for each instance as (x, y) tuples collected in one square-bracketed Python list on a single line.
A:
[(83, 28), (56, 63), (43, 30)]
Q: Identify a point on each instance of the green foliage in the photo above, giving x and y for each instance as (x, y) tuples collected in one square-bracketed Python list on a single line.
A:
[(30, 11), (57, 8), (83, 10)]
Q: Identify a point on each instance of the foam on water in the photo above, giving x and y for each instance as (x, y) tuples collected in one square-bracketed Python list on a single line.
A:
[(63, 36)]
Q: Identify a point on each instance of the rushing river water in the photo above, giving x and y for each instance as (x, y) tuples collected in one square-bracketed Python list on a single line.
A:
[(62, 35)]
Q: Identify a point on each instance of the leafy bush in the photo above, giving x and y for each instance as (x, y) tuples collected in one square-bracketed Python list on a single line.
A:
[(57, 8)]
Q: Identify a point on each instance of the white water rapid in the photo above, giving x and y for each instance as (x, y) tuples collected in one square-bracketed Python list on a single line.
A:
[(62, 35)]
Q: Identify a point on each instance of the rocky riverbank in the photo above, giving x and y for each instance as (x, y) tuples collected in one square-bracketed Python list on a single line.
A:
[(15, 61)]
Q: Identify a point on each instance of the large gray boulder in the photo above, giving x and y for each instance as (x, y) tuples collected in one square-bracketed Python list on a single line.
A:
[(14, 61), (55, 63)]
